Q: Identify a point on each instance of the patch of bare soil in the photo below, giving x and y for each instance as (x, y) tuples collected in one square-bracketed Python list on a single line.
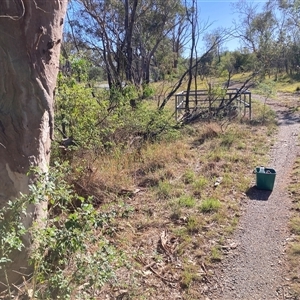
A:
[(256, 268)]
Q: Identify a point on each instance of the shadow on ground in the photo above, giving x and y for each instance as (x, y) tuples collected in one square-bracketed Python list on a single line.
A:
[(259, 195), (288, 118)]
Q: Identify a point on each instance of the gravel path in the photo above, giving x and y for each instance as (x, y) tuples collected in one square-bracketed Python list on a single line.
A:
[(255, 268)]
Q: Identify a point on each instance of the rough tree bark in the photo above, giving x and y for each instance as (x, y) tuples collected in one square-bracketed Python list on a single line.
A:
[(30, 39)]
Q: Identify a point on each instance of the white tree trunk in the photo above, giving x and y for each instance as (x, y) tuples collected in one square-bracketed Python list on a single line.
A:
[(30, 39)]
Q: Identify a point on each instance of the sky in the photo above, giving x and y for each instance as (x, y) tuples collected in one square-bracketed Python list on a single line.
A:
[(219, 13)]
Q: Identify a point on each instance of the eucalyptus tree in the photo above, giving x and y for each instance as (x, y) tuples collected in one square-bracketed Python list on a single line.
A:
[(258, 32), (290, 12), (30, 41), (291, 8), (154, 33), (127, 34), (179, 36), (271, 32)]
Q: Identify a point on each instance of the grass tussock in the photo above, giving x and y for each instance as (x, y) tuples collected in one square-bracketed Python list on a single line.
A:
[(210, 205)]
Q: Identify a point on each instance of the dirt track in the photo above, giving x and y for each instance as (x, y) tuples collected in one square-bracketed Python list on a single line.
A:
[(256, 268)]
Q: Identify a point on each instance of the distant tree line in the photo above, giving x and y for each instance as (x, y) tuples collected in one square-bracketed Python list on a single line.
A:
[(135, 42)]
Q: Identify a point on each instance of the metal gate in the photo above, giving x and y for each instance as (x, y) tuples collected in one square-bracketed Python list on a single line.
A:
[(208, 104)]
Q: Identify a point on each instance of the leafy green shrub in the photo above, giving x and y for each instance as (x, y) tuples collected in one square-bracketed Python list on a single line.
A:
[(77, 112), (149, 123), (148, 91), (12, 230), (100, 119), (72, 256)]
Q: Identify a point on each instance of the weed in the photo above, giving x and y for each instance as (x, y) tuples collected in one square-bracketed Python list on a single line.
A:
[(125, 210), (164, 190), (217, 155), (227, 139), (216, 255), (193, 224), (210, 205), (189, 176), (227, 180), (176, 214), (220, 217), (187, 201), (241, 145), (189, 275), (199, 184), (263, 114), (295, 249), (186, 241), (295, 225)]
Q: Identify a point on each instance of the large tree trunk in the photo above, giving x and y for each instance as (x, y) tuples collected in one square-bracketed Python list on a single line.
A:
[(30, 39)]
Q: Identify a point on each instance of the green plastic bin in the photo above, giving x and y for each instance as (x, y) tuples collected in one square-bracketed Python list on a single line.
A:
[(265, 181)]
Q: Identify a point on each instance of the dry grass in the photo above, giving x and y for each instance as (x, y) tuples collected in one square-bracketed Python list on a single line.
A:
[(287, 84), (177, 204)]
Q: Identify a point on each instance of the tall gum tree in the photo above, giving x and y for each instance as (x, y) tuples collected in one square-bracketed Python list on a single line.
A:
[(30, 39)]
